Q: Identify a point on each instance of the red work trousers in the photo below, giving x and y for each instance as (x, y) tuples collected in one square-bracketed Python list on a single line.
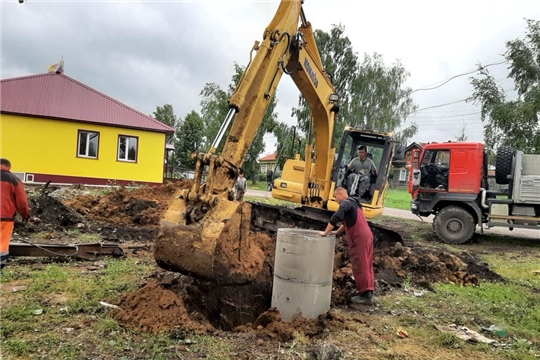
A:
[(360, 241)]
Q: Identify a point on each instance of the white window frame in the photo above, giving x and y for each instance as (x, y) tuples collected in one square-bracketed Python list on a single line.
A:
[(87, 149), (403, 175), (126, 159)]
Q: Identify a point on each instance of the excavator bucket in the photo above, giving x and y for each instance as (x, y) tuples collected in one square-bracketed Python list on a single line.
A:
[(215, 247)]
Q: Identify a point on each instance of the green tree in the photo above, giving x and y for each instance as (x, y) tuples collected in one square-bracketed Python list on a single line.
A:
[(251, 164), (513, 123), (190, 139), (214, 108), (166, 115), (371, 94), (379, 99), (340, 62)]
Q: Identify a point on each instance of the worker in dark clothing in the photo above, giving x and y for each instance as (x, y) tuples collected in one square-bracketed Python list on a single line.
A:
[(360, 241), (269, 179), (13, 199)]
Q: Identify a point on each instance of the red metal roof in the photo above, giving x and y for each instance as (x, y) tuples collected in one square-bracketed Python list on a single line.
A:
[(58, 96), (271, 157)]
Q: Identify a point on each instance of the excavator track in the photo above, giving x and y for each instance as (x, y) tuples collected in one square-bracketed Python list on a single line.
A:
[(270, 218)]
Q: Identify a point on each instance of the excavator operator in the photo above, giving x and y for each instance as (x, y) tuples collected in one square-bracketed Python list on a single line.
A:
[(359, 173)]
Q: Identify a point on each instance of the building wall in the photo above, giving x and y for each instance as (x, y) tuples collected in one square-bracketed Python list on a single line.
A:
[(265, 166), (49, 147), (399, 179)]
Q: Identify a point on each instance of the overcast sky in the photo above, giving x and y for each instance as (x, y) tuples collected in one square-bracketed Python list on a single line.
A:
[(150, 53)]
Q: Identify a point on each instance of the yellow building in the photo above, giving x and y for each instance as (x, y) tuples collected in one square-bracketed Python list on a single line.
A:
[(54, 128), (267, 162)]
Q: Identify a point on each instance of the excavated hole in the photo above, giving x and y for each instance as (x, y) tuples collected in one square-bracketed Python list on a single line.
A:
[(226, 307)]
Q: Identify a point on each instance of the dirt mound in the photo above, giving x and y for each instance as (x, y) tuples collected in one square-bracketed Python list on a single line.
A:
[(180, 304), (176, 303), (154, 308), (247, 308), (121, 206), (48, 214), (423, 267), (418, 266)]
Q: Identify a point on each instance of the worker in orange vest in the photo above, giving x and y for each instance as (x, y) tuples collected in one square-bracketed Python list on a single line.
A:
[(13, 199)]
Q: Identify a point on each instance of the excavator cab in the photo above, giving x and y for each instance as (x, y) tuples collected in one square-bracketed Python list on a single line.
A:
[(371, 186)]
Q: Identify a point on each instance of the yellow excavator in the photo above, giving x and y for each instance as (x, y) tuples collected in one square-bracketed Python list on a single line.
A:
[(300, 186), (205, 233)]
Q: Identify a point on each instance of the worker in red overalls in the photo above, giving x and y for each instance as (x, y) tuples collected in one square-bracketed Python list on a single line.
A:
[(360, 241), (12, 199)]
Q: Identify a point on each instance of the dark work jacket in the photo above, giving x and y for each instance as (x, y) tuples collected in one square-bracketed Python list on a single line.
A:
[(347, 212)]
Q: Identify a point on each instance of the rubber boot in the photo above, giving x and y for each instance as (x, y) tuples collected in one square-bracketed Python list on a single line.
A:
[(366, 298)]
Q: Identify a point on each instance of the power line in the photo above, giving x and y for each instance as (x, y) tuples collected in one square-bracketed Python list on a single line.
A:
[(457, 123), (443, 117), (441, 105), (452, 102), (449, 111), (480, 67), (431, 127)]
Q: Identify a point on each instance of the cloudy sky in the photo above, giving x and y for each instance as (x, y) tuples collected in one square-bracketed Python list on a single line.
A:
[(149, 53)]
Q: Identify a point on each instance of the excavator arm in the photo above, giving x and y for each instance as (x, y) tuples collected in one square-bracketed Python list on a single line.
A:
[(204, 232), (306, 70)]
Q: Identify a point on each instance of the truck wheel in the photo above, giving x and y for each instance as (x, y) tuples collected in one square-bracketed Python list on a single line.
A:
[(503, 165), (454, 225)]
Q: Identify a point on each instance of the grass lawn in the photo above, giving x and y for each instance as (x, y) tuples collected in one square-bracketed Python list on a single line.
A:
[(259, 185), (398, 199)]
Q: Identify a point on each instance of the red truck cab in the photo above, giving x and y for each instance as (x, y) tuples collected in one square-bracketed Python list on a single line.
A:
[(450, 167), (449, 183)]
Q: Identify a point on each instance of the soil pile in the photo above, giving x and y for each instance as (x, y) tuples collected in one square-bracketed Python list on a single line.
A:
[(247, 308), (154, 308), (139, 207), (48, 214), (176, 303), (179, 304)]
